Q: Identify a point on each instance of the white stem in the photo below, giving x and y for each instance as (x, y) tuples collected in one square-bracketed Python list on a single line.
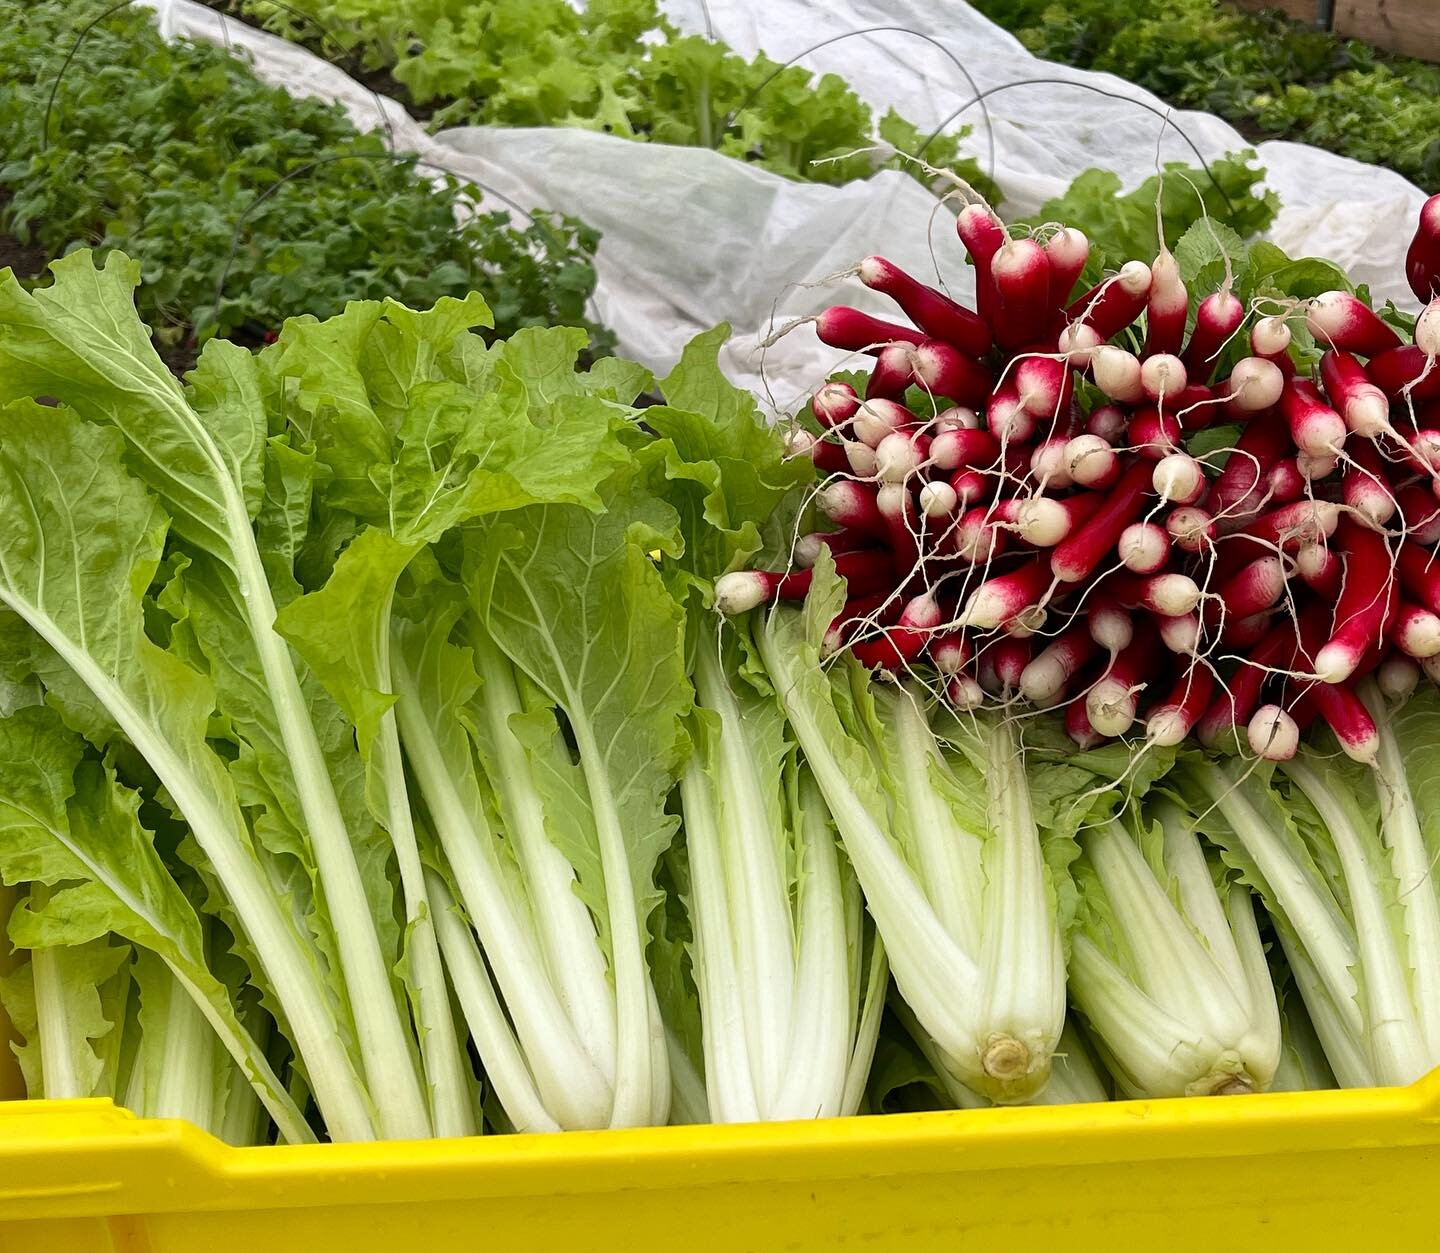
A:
[(1262, 1045), (384, 1039), (283, 953), (636, 1077), (1199, 899), (1347, 1050), (729, 1076), (58, 1077), (949, 856), (871, 992), (445, 1066), (564, 928), (186, 1088), (504, 1061), (1152, 1053), (1021, 959), (819, 1046), (752, 850), (1395, 1040), (575, 1092), (1323, 931), (1173, 967), (1414, 872), (933, 973)]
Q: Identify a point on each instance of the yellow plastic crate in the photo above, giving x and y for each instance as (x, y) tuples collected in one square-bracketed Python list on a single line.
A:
[(1293, 1171)]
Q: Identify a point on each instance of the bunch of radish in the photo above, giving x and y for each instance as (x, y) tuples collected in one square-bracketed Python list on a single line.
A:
[(1038, 532)]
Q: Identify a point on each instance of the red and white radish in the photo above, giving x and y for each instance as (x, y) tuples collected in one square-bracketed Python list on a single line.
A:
[(1049, 673), (1217, 318), (853, 331), (1314, 426), (1273, 734), (1080, 554), (1006, 596), (1143, 548), (1067, 251), (1020, 271), (742, 590), (834, 404), (932, 311), (1255, 384), (1178, 479), (1091, 461), (1115, 302), (1174, 717), (1166, 307), (1366, 605), (1340, 320), (1190, 528)]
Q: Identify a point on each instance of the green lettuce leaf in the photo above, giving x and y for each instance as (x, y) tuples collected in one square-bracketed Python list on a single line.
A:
[(65, 1006), (85, 541), (574, 600), (200, 450), (65, 822)]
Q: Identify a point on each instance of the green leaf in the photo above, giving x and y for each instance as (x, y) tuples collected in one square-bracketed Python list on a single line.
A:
[(84, 541), (1122, 226), (416, 453), (1202, 251), (79, 340), (726, 471), (67, 823), (1272, 272), (57, 1004), (574, 600), (283, 524)]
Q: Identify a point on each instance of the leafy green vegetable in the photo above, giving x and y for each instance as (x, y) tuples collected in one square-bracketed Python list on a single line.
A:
[(81, 341), (69, 825), (616, 66), (412, 454), (64, 1003), (1271, 77), (1166, 963), (1122, 227), (573, 599), (946, 845), (788, 982), (1342, 854), (175, 152)]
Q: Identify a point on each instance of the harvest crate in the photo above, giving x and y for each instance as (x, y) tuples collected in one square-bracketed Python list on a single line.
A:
[(1307, 1171), (1290, 1171)]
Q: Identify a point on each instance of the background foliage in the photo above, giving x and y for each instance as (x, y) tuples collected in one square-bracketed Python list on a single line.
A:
[(164, 150)]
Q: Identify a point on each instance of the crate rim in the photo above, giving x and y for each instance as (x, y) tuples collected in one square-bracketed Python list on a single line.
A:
[(90, 1157)]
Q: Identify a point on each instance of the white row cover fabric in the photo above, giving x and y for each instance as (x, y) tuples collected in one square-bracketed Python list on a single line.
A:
[(690, 238)]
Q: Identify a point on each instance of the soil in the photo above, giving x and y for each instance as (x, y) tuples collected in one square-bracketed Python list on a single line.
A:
[(181, 359), (27, 260)]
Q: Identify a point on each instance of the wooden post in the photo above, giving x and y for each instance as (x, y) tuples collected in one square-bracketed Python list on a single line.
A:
[(1410, 27), (1307, 11)]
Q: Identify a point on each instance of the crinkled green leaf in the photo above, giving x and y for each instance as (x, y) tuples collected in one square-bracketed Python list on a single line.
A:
[(66, 822), (574, 599), (79, 340), (84, 541), (726, 469)]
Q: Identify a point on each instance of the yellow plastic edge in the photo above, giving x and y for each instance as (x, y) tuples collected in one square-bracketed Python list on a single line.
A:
[(75, 1158)]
